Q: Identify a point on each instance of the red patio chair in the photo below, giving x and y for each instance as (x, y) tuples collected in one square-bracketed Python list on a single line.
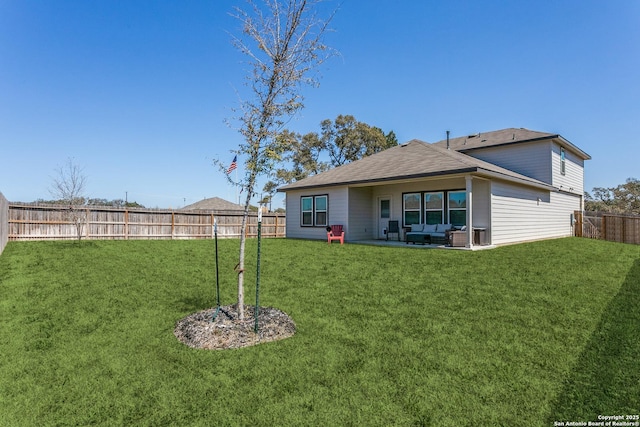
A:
[(335, 232)]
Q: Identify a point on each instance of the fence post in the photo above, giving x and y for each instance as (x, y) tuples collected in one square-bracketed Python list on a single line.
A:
[(126, 224), (87, 224), (4, 222), (578, 230), (173, 223)]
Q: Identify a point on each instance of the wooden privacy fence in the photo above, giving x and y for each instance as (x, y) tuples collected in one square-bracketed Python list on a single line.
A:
[(27, 222), (605, 226), (4, 222)]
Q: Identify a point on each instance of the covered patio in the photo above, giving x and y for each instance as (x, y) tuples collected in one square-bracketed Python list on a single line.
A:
[(401, 244)]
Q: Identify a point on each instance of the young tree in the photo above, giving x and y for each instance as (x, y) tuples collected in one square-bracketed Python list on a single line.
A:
[(283, 40), (69, 188)]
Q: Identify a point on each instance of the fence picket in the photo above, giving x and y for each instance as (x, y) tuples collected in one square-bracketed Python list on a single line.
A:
[(27, 222), (4, 222), (611, 227)]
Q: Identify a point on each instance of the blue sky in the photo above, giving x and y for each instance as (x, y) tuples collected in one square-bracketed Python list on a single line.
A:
[(137, 92)]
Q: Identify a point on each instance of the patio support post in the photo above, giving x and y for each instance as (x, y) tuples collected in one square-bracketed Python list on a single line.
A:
[(469, 183)]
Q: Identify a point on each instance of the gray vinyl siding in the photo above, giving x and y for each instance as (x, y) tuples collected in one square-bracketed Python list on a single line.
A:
[(339, 208), (361, 220), (518, 216), (573, 179), (337, 212), (481, 207), (530, 159), (539, 160)]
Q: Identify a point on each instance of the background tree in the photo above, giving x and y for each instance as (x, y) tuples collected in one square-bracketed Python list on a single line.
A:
[(303, 154), (284, 43), (347, 139), (341, 141), (69, 188), (625, 198), (116, 203), (392, 139), (601, 201)]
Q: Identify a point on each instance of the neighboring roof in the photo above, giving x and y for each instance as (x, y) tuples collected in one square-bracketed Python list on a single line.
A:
[(214, 204), (415, 159), (504, 137)]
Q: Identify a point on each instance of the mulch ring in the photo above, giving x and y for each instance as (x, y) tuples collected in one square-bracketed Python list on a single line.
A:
[(226, 331)]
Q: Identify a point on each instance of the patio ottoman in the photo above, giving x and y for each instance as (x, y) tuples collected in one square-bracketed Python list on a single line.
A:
[(421, 238), (458, 239)]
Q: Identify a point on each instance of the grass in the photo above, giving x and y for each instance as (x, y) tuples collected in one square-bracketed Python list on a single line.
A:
[(520, 335)]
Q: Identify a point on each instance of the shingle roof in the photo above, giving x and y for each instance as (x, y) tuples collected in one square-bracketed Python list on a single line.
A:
[(504, 137), (214, 204), (415, 159)]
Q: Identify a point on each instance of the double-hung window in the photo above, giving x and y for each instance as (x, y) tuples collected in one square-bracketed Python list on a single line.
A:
[(434, 208), (411, 208), (313, 210), (458, 208), (320, 215)]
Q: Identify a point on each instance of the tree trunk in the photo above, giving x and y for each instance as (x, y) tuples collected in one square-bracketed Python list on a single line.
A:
[(288, 46), (243, 239), (241, 271)]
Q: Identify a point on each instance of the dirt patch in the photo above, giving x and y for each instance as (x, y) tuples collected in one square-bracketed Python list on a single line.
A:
[(202, 330)]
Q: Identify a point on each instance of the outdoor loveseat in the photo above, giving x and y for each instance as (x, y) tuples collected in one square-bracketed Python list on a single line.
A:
[(428, 233)]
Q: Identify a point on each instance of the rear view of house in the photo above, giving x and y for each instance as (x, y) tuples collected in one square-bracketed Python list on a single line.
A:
[(515, 185)]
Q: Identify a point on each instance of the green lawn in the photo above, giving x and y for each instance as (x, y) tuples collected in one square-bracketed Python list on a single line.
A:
[(523, 335)]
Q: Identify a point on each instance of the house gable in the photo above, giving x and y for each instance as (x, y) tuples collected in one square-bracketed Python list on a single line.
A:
[(532, 159), (506, 137), (531, 153)]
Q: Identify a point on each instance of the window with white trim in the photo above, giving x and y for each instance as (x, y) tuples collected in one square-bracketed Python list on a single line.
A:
[(434, 208), (457, 208), (563, 164), (320, 215), (411, 208), (314, 211)]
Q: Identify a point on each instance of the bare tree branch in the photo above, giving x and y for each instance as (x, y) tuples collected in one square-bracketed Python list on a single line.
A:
[(284, 43), (69, 187)]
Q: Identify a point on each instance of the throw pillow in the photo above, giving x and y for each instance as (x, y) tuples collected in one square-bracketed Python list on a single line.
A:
[(430, 228)]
